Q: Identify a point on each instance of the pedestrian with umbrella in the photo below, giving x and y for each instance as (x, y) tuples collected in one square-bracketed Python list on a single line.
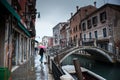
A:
[(41, 53)]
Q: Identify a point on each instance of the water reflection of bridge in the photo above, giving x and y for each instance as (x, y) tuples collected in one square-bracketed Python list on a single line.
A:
[(94, 52)]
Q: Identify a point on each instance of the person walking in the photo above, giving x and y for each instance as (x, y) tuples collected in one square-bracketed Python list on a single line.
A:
[(41, 54)]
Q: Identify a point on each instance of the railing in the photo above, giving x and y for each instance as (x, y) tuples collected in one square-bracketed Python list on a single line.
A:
[(92, 42), (57, 72), (96, 42)]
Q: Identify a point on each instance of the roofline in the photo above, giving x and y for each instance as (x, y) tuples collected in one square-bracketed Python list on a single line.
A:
[(106, 5), (80, 10), (59, 24)]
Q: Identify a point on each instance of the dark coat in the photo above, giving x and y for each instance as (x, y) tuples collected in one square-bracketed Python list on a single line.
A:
[(41, 51)]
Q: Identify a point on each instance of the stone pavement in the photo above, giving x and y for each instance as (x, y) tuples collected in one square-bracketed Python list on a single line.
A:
[(32, 70)]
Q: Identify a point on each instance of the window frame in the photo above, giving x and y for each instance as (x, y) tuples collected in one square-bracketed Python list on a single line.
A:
[(96, 34), (89, 24), (94, 20), (103, 16), (104, 32), (84, 26)]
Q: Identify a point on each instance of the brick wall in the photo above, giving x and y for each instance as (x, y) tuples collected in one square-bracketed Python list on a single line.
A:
[(75, 20)]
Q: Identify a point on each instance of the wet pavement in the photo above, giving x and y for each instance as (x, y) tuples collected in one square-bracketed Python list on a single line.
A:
[(32, 70)]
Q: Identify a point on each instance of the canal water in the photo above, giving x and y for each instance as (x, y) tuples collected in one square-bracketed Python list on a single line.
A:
[(106, 70)]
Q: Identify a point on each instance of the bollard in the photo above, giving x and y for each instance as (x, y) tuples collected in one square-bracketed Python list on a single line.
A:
[(78, 69), (58, 60)]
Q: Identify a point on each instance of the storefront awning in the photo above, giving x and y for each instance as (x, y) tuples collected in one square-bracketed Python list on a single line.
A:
[(13, 12), (35, 41), (23, 28)]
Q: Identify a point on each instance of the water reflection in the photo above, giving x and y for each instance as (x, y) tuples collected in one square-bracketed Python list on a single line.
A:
[(40, 69)]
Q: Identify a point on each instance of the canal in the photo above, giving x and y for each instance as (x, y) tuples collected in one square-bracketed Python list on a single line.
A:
[(106, 70)]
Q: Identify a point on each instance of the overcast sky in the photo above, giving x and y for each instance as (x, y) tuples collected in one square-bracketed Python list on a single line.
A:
[(54, 11)]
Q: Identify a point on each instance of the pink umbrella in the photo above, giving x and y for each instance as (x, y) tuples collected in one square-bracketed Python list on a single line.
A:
[(41, 46)]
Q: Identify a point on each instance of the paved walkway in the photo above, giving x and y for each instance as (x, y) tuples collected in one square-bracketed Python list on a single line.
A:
[(32, 70)]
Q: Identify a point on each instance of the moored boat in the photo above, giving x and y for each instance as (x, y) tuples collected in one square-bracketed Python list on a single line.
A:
[(87, 74)]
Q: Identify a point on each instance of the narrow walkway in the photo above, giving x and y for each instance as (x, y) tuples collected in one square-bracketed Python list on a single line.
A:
[(41, 69), (32, 70)]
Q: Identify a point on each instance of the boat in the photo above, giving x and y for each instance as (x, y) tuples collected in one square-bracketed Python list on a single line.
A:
[(87, 74)]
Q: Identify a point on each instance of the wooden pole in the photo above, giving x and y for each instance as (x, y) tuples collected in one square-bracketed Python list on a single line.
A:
[(58, 60), (77, 68)]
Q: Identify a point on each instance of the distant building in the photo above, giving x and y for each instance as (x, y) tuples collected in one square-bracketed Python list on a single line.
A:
[(75, 27), (56, 33), (47, 41), (64, 35), (68, 33), (102, 28)]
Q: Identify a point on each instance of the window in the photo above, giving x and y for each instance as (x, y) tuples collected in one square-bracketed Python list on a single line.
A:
[(76, 28), (104, 32), (90, 35), (83, 26), (103, 16), (84, 36), (79, 27), (94, 21), (80, 35), (89, 24), (74, 39), (56, 39), (96, 36)]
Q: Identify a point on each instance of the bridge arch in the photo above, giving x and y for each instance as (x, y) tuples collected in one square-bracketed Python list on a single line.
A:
[(96, 52)]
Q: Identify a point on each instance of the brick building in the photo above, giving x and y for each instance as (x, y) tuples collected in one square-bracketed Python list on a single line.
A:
[(75, 28), (101, 28), (47, 41), (17, 32)]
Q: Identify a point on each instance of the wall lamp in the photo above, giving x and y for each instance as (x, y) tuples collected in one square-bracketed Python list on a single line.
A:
[(24, 14), (38, 14)]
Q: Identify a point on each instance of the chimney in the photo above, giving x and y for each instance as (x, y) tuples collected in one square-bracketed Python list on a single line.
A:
[(71, 14), (77, 7), (95, 3)]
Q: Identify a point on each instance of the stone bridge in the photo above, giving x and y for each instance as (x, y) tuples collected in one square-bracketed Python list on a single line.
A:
[(95, 52)]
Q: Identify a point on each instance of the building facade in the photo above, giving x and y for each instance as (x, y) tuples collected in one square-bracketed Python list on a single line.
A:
[(101, 28), (56, 33), (17, 32), (47, 41), (67, 29), (64, 35), (75, 27)]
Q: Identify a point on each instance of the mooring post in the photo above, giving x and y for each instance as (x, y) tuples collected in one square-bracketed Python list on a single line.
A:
[(77, 68), (58, 60)]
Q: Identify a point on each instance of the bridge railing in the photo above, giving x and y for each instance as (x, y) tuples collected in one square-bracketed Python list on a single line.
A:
[(114, 56), (57, 72), (92, 42), (96, 42)]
